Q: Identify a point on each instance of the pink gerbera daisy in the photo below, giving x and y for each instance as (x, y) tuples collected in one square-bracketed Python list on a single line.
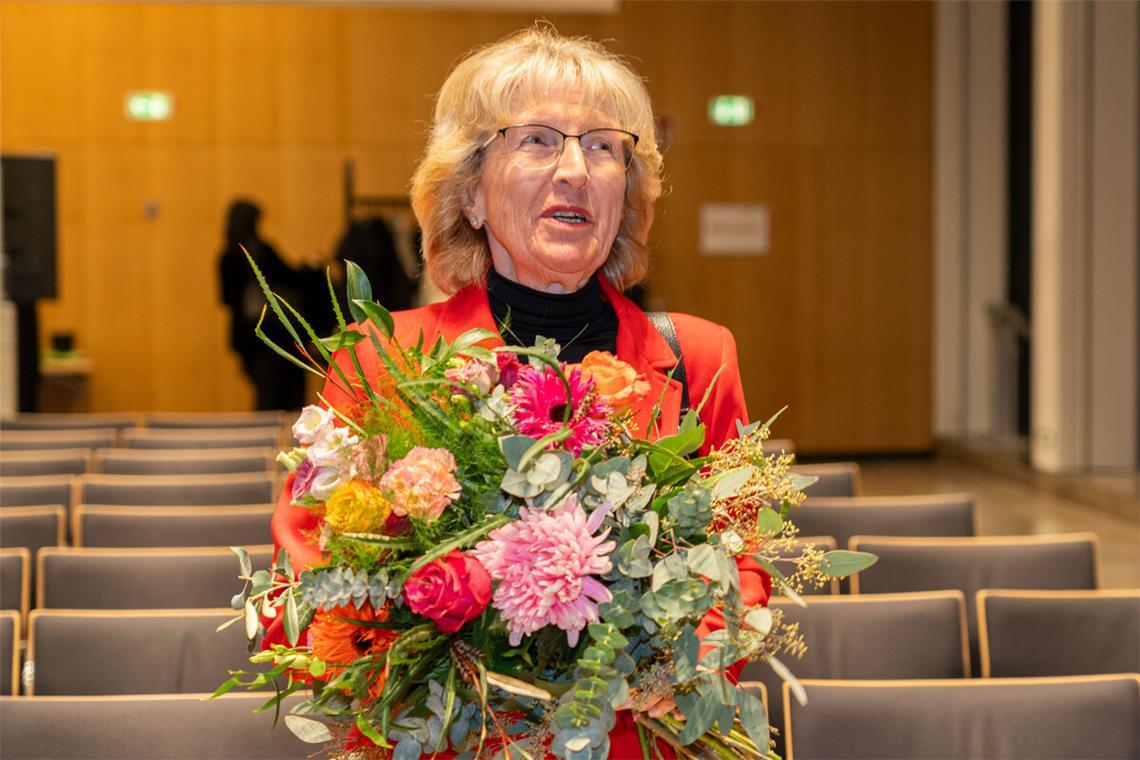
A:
[(546, 562), (539, 405)]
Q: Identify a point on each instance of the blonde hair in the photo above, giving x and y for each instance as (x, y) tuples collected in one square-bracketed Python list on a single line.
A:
[(479, 96)]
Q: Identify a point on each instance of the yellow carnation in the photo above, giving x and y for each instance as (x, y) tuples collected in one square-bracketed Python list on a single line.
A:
[(357, 507)]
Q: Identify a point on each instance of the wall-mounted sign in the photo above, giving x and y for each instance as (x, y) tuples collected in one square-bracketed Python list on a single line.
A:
[(731, 110), (734, 229), (149, 106)]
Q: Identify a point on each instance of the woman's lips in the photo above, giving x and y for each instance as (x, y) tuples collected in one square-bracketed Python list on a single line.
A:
[(568, 215)]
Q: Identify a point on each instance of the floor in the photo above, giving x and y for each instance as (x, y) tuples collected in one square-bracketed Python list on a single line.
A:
[(1008, 505)]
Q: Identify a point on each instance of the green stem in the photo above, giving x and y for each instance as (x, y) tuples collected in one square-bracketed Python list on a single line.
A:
[(463, 539)]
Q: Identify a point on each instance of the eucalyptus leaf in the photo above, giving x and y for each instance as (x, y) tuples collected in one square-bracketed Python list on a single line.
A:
[(686, 652), (793, 683), (292, 624), (732, 481), (840, 563), (700, 711), (308, 730), (514, 447), (251, 621), (671, 568), (754, 718), (768, 521), (243, 560), (759, 619), (802, 482), (653, 520)]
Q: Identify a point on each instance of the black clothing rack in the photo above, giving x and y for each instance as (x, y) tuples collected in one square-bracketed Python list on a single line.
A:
[(363, 206)]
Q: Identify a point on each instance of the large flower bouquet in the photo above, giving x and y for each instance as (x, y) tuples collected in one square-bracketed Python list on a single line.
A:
[(508, 564)]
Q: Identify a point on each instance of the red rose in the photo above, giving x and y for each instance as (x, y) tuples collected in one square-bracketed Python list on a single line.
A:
[(450, 591)]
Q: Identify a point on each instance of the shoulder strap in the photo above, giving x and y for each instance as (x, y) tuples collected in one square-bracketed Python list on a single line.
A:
[(664, 324)]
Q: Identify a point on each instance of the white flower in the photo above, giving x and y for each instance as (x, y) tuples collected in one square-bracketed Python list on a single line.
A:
[(325, 482), (314, 423), (333, 449)]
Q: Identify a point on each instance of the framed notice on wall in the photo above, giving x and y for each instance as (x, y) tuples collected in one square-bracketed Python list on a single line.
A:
[(734, 229)]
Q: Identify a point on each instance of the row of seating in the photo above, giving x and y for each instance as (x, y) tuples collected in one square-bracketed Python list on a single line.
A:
[(134, 461), (41, 421)]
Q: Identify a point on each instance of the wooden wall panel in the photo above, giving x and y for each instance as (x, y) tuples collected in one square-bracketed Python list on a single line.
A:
[(270, 99)]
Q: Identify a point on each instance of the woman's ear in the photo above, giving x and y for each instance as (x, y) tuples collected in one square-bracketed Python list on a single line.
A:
[(476, 208)]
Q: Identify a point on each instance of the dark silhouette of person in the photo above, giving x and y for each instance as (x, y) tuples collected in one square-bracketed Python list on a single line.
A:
[(277, 383)]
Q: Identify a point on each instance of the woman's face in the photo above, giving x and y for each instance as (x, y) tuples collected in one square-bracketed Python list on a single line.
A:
[(550, 229)]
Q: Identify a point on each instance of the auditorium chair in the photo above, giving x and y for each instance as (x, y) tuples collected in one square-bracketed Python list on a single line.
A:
[(183, 461), (147, 727), (15, 580), (49, 462), (88, 652), (835, 479), (214, 420), (35, 490), (885, 636), (1065, 561), (117, 526), (1058, 633), (32, 527), (997, 719), (175, 490), (198, 438), (779, 446), (38, 440), (153, 578), (9, 652), (920, 515), (68, 421)]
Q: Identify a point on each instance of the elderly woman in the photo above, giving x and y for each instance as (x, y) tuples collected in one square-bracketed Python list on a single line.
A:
[(535, 197)]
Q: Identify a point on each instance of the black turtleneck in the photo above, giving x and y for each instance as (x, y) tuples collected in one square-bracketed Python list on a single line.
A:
[(581, 322)]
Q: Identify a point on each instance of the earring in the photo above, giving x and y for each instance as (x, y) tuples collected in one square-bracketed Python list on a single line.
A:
[(476, 222)]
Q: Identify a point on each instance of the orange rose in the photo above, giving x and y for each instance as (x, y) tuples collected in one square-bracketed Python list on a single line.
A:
[(615, 380)]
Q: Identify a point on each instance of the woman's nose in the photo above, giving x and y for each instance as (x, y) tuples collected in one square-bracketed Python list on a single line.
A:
[(571, 167)]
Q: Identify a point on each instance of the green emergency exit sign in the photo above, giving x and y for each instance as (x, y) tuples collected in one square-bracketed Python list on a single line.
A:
[(731, 110), (149, 106)]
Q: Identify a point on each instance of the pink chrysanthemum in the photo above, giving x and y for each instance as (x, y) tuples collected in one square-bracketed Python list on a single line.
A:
[(539, 403), (545, 561), (422, 484)]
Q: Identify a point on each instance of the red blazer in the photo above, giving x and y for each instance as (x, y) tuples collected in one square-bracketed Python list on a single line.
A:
[(705, 346)]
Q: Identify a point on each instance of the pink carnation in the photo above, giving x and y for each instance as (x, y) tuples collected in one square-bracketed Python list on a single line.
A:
[(546, 561), (539, 399), (422, 484)]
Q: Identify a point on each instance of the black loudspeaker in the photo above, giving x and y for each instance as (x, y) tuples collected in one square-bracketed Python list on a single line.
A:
[(29, 227)]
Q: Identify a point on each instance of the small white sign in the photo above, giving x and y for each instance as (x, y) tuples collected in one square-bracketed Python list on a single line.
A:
[(741, 229)]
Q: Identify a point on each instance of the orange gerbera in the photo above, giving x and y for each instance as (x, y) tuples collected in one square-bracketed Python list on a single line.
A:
[(336, 639)]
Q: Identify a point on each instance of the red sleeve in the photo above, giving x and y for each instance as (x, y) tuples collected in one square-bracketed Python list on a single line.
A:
[(292, 528)]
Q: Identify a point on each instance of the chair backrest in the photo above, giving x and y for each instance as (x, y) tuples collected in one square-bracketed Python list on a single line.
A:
[(78, 421), (819, 543), (36, 440), (213, 420), (183, 461), (9, 653), (1058, 633), (33, 527), (15, 579), (922, 515), (1065, 561), (835, 479), (175, 490), (779, 446), (1000, 718), (84, 578), (85, 652), (48, 462), (200, 438), (101, 525), (35, 490), (884, 636), (154, 727)]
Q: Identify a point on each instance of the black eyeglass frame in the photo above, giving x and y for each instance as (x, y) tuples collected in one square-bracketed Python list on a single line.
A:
[(502, 132)]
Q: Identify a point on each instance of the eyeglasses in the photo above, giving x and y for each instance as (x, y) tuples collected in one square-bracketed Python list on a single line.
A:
[(537, 146)]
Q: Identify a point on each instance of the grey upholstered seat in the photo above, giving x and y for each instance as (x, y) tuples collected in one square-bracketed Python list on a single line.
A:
[(835, 479), (881, 636), (87, 652), (212, 420), (779, 446), (919, 515), (198, 438), (45, 462), (102, 525), (176, 490), (38, 440), (926, 564), (32, 527), (76, 421), (9, 652), (36, 490), (80, 578), (996, 719), (154, 727), (183, 461), (1058, 633), (15, 579)]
